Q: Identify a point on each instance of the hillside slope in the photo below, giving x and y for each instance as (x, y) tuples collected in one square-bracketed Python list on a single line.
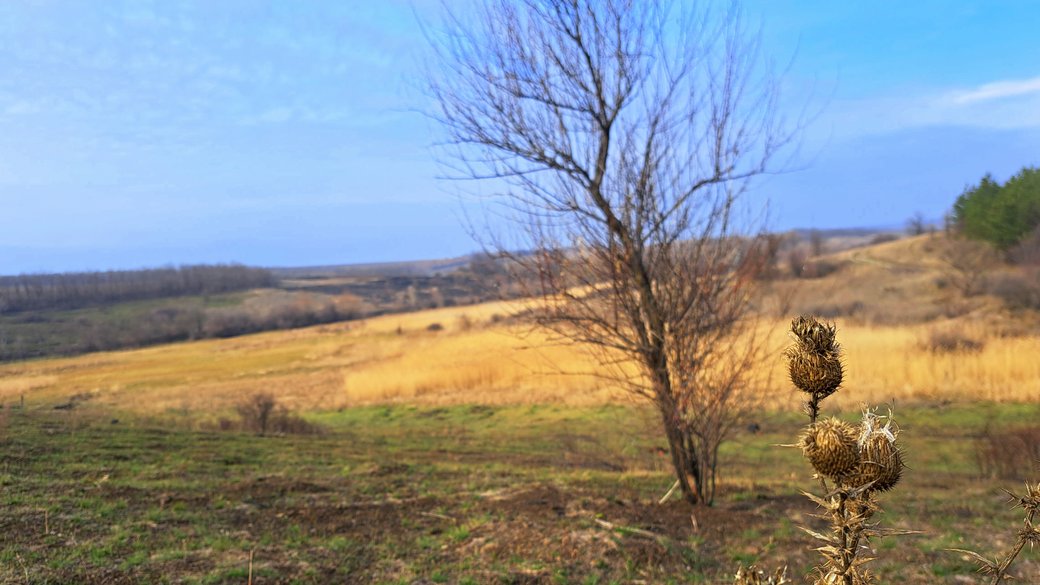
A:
[(907, 281), (475, 354)]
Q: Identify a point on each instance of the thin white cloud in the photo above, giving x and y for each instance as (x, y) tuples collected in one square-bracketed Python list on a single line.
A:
[(997, 90), (999, 105)]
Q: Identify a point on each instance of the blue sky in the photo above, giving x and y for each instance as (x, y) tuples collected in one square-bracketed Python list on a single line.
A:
[(285, 133)]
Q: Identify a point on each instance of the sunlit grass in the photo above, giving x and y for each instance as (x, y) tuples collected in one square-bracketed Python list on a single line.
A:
[(478, 357)]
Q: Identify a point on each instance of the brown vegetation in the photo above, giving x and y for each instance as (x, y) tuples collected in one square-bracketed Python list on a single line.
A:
[(261, 414), (1009, 453)]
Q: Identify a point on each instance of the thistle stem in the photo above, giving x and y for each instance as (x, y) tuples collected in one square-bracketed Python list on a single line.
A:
[(813, 408), (1001, 573), (847, 554)]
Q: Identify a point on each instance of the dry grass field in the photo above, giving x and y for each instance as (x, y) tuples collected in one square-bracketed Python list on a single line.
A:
[(475, 357), (473, 354), (330, 367), (461, 447)]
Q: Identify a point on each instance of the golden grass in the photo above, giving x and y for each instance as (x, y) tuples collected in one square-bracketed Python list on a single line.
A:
[(473, 360), (889, 364)]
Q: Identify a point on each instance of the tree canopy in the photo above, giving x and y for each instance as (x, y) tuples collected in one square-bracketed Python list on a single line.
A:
[(1000, 214)]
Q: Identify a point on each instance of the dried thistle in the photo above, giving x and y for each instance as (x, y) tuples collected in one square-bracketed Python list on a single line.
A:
[(1028, 534), (814, 361), (862, 462), (831, 446), (848, 512), (880, 459), (754, 576)]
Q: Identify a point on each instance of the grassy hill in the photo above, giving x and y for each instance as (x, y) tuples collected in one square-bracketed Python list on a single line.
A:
[(898, 329), (460, 446)]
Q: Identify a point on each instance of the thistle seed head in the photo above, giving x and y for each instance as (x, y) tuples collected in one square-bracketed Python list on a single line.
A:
[(881, 461), (814, 336), (814, 361), (831, 447), (1031, 500)]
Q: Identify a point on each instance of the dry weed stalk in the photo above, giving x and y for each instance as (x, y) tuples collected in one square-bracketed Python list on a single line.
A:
[(860, 462), (753, 576), (1028, 534)]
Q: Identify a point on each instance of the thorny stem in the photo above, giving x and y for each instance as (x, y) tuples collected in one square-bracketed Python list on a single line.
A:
[(813, 408), (847, 554), (1001, 572)]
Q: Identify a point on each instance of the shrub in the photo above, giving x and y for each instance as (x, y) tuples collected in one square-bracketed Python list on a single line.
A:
[(1027, 251), (832, 310), (819, 269), (255, 412), (796, 258), (261, 414), (1018, 290), (285, 422), (464, 322), (435, 327), (884, 238), (966, 264), (950, 341), (1008, 454)]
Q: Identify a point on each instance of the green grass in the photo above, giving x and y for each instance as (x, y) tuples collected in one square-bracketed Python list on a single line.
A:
[(460, 494)]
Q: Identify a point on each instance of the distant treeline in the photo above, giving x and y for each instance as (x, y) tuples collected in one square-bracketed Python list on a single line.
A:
[(32, 334), (1002, 215), (29, 292), (68, 314)]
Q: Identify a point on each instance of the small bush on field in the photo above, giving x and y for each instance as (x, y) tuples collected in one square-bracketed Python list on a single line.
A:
[(832, 310), (884, 238), (1009, 454), (819, 269), (1027, 252), (261, 414), (796, 258), (951, 340), (435, 327), (464, 322), (1018, 290)]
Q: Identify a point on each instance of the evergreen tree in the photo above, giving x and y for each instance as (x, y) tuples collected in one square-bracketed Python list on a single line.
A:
[(1000, 214)]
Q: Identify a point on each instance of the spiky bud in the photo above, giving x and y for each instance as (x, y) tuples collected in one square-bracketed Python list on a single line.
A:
[(814, 361), (881, 462), (831, 447)]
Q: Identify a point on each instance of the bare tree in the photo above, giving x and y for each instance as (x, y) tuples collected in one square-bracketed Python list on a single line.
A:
[(817, 243), (966, 264), (619, 135), (917, 224)]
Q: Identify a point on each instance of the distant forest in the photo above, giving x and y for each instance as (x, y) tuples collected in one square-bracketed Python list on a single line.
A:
[(85, 289), (65, 314)]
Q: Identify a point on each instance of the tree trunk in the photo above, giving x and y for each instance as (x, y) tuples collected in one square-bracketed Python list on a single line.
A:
[(684, 459)]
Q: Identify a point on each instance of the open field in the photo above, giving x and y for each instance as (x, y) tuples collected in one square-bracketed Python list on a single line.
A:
[(460, 494), (476, 355), (462, 447), (475, 360)]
